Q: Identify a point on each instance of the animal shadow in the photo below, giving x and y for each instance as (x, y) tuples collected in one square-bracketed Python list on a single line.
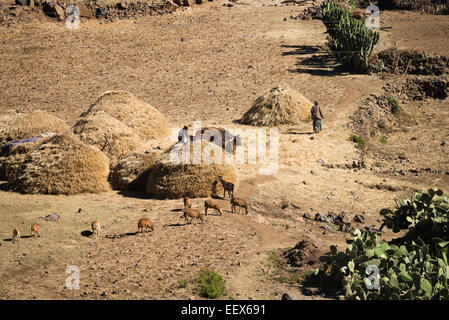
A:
[(86, 233)]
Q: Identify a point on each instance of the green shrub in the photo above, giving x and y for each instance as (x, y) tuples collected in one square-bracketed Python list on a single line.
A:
[(394, 105), (210, 284), (412, 267), (352, 41), (383, 140), (182, 283), (359, 140)]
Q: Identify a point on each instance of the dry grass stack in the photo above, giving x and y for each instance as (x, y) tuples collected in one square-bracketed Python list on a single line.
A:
[(12, 158), (131, 172), (21, 125), (171, 180), (280, 106), (62, 164), (108, 134), (144, 119)]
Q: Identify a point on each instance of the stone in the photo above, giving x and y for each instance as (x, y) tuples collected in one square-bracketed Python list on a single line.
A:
[(187, 3), (53, 10), (122, 5), (290, 296), (258, 218), (85, 12), (21, 2), (170, 5)]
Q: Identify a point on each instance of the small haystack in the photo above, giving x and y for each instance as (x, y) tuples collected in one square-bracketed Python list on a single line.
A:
[(62, 164), (144, 119), (12, 157), (16, 126), (171, 180), (131, 172), (108, 134), (279, 106)]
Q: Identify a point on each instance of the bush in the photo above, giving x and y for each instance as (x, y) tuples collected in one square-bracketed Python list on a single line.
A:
[(182, 283), (359, 140), (394, 105), (412, 267), (383, 140), (210, 284), (352, 41)]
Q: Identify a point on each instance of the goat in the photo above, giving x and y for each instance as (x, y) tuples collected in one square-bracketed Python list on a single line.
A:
[(35, 230), (212, 204), (227, 187), (187, 202), (192, 213), (144, 224), (16, 235), (238, 202), (96, 227)]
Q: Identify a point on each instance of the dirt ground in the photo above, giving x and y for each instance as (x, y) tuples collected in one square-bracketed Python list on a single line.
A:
[(207, 63)]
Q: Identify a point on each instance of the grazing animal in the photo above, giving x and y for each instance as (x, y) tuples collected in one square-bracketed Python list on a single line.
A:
[(192, 213), (212, 204), (144, 224), (35, 230), (187, 202), (223, 135), (96, 227), (16, 235), (227, 187), (239, 202)]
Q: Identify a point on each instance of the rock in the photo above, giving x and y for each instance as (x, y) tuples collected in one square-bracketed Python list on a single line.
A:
[(85, 12), (290, 296), (21, 2), (53, 10), (200, 1), (443, 143), (307, 216), (187, 3), (171, 6), (360, 218), (122, 5), (284, 204), (258, 218), (100, 12), (52, 217), (178, 2)]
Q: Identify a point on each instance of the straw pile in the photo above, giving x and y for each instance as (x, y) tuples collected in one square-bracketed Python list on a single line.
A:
[(16, 126), (131, 172), (279, 106), (171, 180), (108, 134), (62, 164), (144, 119)]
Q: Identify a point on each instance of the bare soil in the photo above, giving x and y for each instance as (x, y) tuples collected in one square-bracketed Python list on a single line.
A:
[(208, 63)]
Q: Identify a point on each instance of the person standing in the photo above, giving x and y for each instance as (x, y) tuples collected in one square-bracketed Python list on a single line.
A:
[(317, 116)]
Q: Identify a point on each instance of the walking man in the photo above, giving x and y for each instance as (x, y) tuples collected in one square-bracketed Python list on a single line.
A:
[(317, 116)]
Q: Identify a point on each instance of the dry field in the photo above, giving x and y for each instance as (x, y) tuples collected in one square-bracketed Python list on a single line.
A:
[(207, 63)]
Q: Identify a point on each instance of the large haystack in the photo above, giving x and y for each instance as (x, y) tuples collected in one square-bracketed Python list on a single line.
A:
[(144, 119), (108, 134), (12, 157), (131, 172), (279, 106), (15, 126), (62, 165), (171, 180)]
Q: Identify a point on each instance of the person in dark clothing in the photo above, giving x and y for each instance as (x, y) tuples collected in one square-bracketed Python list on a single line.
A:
[(183, 134), (317, 116)]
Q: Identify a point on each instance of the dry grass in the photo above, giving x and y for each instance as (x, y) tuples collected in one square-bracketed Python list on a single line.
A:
[(131, 172), (16, 126), (279, 106), (144, 119), (108, 134), (170, 180), (62, 165)]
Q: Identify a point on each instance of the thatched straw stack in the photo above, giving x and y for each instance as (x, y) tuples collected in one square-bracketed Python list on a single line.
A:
[(62, 164), (144, 119), (11, 160), (108, 134), (132, 171), (279, 106), (171, 180), (16, 126)]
